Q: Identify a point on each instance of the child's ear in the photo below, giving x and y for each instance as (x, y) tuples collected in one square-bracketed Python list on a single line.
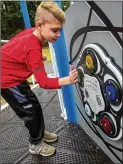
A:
[(38, 24)]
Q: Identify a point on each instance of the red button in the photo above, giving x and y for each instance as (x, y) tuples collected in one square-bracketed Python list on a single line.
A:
[(106, 124)]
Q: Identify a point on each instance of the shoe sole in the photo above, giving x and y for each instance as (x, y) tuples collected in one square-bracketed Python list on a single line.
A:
[(45, 155), (49, 141)]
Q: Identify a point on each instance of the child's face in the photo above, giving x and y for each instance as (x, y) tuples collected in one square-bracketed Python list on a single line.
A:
[(50, 30)]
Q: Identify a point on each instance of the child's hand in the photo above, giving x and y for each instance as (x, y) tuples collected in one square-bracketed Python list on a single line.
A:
[(73, 76), (71, 79), (44, 57)]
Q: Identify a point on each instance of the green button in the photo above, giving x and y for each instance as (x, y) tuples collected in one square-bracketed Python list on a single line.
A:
[(80, 77)]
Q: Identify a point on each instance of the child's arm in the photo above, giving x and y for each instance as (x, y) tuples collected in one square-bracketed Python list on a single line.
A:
[(36, 66), (71, 79)]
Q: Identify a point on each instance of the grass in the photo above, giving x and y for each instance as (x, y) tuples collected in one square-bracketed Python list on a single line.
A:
[(47, 53)]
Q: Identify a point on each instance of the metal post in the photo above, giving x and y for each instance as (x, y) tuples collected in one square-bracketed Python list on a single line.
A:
[(27, 23), (63, 66), (25, 14), (55, 69)]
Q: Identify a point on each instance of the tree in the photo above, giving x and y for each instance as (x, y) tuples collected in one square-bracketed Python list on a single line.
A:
[(11, 16), (11, 19), (65, 5)]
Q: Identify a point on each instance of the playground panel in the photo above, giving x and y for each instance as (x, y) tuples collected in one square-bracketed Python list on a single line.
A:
[(93, 33)]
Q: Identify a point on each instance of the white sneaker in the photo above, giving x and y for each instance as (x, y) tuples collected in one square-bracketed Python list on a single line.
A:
[(49, 137), (42, 149)]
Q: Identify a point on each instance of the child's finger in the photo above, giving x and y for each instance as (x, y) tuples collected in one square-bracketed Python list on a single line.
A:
[(72, 67), (74, 70), (75, 78), (75, 75), (76, 81)]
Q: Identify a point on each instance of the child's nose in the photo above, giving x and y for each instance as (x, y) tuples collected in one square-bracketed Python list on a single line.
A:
[(58, 34)]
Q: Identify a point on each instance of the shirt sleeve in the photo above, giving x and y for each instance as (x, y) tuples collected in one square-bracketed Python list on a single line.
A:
[(36, 66)]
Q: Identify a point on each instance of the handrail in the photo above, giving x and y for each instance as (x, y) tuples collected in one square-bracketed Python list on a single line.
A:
[(4, 41)]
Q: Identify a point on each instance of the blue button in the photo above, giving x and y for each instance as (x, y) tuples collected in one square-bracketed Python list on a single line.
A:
[(111, 93)]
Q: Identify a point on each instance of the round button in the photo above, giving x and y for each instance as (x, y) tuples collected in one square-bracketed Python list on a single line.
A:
[(89, 62), (112, 92), (88, 110), (80, 77), (107, 125)]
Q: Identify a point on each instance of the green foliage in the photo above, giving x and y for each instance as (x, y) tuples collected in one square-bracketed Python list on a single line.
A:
[(32, 6), (11, 16), (65, 5), (11, 19)]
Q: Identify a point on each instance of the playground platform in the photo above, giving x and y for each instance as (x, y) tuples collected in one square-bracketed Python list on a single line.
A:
[(74, 146)]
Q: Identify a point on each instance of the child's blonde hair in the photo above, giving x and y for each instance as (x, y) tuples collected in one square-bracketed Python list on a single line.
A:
[(48, 8)]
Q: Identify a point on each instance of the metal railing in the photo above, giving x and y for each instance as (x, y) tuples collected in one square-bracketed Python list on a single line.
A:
[(55, 69)]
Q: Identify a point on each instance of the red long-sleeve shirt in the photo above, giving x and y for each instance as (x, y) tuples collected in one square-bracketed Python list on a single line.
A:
[(22, 57)]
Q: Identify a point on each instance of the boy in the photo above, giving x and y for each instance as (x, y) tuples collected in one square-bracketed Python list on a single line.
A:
[(21, 57)]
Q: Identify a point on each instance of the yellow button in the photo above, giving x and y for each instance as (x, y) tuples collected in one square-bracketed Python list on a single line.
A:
[(89, 62)]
